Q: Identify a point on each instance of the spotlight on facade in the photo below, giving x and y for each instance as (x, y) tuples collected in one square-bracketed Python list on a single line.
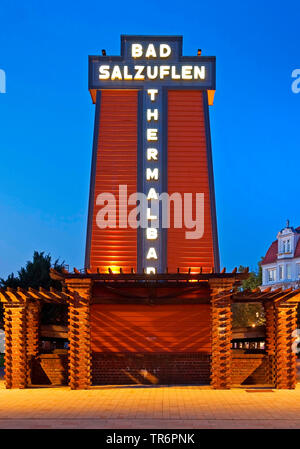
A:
[(103, 52), (199, 52)]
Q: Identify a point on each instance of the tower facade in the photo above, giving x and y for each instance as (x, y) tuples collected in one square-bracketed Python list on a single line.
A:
[(152, 201)]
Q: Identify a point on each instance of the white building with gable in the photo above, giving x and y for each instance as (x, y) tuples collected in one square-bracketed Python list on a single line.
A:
[(281, 264)]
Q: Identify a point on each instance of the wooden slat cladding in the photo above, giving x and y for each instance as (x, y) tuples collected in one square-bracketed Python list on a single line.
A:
[(116, 165), (188, 173), (145, 328)]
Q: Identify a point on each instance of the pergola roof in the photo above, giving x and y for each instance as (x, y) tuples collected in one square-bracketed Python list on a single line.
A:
[(20, 295), (234, 278), (264, 295)]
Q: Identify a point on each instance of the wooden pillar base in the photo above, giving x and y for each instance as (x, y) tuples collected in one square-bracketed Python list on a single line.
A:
[(79, 335), (286, 323), (32, 335), (15, 345), (221, 340)]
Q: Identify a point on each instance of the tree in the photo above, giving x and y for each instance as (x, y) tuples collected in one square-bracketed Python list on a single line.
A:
[(35, 274), (245, 315)]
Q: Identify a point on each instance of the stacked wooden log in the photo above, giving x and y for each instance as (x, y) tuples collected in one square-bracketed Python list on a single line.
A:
[(15, 345), (221, 341), (32, 335), (79, 336), (270, 340), (286, 317)]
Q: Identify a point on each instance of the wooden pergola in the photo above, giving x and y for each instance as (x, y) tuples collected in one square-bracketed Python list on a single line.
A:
[(22, 308)]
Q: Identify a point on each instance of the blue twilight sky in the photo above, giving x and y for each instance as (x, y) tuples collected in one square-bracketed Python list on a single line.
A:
[(46, 116)]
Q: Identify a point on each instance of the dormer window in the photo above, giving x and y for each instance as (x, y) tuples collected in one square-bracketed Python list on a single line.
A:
[(286, 246)]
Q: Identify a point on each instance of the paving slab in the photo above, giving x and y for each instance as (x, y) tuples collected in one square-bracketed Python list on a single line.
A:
[(144, 407)]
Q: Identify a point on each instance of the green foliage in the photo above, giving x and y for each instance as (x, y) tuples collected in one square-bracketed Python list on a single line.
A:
[(255, 277), (246, 315), (35, 274)]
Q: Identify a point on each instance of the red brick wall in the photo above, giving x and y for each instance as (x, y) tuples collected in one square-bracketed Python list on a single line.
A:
[(50, 369), (146, 368), (250, 369)]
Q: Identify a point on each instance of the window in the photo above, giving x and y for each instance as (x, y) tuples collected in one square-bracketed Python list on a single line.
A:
[(288, 246), (289, 271), (283, 246), (281, 272), (298, 270), (272, 275)]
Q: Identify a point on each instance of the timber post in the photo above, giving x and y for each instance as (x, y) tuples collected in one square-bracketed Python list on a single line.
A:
[(79, 333), (32, 335), (270, 318), (15, 344), (286, 324), (221, 338)]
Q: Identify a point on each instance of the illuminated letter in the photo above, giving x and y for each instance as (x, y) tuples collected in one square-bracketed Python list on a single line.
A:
[(150, 53), (152, 174), (152, 254), (152, 194), (149, 216), (127, 75), (151, 233), (152, 93), (152, 114), (152, 154), (103, 72), (164, 50), (152, 73), (136, 50), (139, 70), (199, 72), (152, 134), (116, 73), (150, 270), (186, 72), (174, 75), (163, 71)]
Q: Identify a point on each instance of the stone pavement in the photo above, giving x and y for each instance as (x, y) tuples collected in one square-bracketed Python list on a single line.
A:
[(165, 407)]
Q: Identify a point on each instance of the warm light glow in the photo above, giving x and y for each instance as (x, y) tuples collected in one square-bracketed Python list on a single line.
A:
[(152, 154), (152, 114), (151, 233), (152, 253), (152, 174), (152, 194), (152, 134), (136, 50), (152, 93)]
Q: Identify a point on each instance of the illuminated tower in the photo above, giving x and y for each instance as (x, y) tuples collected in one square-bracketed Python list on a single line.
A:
[(152, 136)]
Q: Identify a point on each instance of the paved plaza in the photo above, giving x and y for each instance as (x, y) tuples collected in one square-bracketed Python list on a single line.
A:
[(126, 407)]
